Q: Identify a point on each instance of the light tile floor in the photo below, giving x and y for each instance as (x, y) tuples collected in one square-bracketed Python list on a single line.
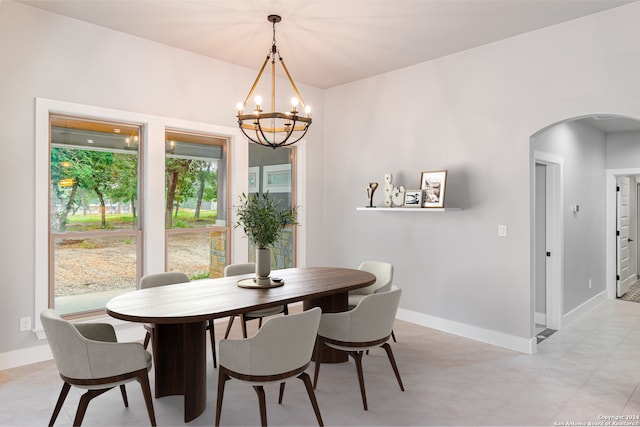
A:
[(580, 374)]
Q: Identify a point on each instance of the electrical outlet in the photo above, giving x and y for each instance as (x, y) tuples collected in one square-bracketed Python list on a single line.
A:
[(502, 230), (25, 324)]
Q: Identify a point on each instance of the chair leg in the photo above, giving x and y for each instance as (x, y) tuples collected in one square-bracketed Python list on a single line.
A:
[(84, 402), (222, 379), (147, 338), (123, 391), (281, 395), (63, 395), (259, 322), (229, 323), (312, 396), (393, 335), (243, 321), (285, 310), (392, 359), (263, 404), (143, 379), (212, 335), (357, 357), (318, 361)]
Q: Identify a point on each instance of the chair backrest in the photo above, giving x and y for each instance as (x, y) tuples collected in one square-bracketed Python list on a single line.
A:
[(162, 279), (238, 269), (372, 319), (281, 345), (68, 346), (384, 276)]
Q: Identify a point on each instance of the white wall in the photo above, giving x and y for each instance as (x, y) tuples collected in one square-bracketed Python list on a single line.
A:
[(583, 148), (472, 113), (623, 150), (54, 57)]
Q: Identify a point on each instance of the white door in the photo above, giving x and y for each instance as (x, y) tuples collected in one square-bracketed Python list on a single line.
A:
[(624, 276), (540, 245)]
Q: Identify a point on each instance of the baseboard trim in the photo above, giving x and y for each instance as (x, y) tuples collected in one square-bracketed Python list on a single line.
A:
[(523, 345), (583, 308), (26, 356)]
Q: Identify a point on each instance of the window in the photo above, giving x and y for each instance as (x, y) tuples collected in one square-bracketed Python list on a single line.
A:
[(196, 203), (271, 171), (94, 227)]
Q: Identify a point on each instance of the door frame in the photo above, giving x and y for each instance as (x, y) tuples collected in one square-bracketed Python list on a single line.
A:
[(624, 282), (554, 239), (610, 227)]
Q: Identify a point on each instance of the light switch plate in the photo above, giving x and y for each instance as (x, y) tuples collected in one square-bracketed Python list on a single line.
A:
[(502, 230)]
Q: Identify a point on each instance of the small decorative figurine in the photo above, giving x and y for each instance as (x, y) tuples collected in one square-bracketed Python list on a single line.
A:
[(370, 190), (388, 190), (398, 195)]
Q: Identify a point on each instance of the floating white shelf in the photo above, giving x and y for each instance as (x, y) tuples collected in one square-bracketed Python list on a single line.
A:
[(407, 209)]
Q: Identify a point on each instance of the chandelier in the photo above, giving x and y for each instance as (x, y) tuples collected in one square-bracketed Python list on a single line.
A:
[(274, 129)]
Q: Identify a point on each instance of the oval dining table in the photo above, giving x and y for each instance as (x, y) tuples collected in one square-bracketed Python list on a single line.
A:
[(181, 312)]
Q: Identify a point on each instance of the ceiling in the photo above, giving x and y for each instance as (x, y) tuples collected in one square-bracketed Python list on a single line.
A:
[(326, 43)]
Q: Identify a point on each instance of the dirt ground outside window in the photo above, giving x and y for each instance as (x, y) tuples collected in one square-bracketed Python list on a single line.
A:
[(109, 263)]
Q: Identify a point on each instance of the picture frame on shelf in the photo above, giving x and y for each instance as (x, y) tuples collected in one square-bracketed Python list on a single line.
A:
[(412, 199), (433, 184)]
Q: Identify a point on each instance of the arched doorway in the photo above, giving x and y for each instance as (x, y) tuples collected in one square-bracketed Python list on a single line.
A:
[(572, 244)]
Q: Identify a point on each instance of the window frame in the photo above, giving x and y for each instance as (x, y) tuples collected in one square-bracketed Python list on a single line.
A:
[(136, 232), (226, 227)]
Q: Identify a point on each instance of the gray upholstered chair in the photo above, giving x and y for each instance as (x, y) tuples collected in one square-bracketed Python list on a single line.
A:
[(249, 268), (367, 326), (280, 350), (88, 356), (384, 278)]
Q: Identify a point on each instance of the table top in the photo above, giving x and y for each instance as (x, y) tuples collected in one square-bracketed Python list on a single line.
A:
[(205, 299)]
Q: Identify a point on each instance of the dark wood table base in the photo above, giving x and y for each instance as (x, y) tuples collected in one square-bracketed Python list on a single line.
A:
[(181, 365)]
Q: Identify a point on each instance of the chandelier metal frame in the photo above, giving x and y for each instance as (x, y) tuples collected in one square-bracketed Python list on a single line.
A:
[(274, 129)]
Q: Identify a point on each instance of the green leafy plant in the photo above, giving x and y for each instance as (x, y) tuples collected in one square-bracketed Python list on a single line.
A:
[(202, 275), (262, 218)]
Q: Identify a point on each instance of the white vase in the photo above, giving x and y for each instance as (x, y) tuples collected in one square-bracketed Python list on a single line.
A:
[(263, 266)]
